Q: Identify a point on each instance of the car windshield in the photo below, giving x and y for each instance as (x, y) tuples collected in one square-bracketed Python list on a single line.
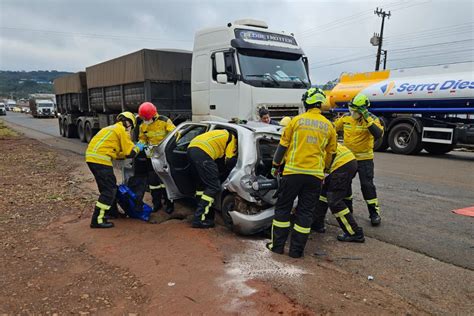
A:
[(273, 69)]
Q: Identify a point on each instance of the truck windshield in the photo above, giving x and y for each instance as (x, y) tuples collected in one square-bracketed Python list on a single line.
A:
[(273, 69), (45, 105)]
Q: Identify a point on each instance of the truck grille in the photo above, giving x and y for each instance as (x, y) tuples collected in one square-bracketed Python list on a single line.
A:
[(277, 113)]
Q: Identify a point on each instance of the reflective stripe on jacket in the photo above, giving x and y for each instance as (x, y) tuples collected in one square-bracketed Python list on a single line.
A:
[(311, 142), (343, 156), (111, 142), (216, 144), (357, 136)]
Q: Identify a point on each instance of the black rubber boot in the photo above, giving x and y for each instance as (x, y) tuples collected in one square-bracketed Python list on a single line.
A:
[(279, 237), (318, 227), (156, 195), (198, 221), (357, 237), (95, 224), (375, 218), (169, 206), (297, 244)]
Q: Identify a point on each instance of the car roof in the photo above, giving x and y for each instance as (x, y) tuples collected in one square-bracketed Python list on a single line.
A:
[(252, 126)]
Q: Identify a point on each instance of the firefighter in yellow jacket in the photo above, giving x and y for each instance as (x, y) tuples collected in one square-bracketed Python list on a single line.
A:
[(361, 129), (202, 152), (111, 142), (152, 132), (337, 194), (308, 144)]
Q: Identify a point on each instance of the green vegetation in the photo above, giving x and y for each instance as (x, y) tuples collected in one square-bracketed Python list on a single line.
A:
[(19, 84), (5, 131)]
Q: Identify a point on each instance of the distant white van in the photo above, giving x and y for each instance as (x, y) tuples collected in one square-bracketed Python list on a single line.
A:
[(3, 109)]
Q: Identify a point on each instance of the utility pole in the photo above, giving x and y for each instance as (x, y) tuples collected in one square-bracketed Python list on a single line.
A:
[(384, 59), (384, 14)]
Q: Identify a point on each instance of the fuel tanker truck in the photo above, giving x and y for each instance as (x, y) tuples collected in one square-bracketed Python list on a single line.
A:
[(429, 108)]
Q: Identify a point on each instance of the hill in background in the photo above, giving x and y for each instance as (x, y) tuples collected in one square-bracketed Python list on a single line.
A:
[(20, 84)]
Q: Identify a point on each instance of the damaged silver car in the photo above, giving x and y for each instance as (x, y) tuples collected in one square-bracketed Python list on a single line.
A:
[(248, 194)]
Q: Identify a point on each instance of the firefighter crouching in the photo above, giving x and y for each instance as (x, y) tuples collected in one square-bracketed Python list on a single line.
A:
[(111, 142), (337, 194), (202, 152), (308, 144), (361, 129), (153, 130)]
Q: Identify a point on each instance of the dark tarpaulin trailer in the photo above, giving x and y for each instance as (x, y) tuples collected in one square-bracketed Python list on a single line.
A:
[(162, 77), (71, 93)]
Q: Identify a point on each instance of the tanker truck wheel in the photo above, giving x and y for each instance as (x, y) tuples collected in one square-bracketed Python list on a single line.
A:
[(404, 139), (438, 149)]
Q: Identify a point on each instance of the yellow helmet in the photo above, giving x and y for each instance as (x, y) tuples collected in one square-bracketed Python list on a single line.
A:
[(360, 100), (313, 97), (129, 116), (285, 121)]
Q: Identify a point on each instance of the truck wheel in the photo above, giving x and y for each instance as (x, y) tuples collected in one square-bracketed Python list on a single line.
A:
[(228, 205), (381, 144), (65, 126), (88, 134), (61, 128), (438, 149), (70, 130), (80, 131), (404, 139)]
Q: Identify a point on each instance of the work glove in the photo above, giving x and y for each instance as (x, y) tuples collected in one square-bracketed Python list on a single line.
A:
[(275, 171), (140, 146), (364, 112)]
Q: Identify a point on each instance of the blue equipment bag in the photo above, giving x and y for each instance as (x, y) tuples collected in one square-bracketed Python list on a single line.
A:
[(126, 198)]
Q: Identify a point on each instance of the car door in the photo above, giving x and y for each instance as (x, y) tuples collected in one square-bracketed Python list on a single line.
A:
[(170, 160)]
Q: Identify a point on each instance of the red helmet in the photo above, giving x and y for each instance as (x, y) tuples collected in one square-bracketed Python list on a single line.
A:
[(147, 111)]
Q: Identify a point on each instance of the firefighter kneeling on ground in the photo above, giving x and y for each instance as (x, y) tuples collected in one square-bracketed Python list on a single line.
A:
[(202, 152), (361, 129), (111, 142), (337, 194), (308, 144), (153, 130)]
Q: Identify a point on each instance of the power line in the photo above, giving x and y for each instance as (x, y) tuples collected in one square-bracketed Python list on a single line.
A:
[(430, 55), (344, 61), (352, 18), (430, 45), (436, 30)]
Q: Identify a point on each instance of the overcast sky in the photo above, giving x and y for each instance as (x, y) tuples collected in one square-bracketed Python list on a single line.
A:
[(73, 34)]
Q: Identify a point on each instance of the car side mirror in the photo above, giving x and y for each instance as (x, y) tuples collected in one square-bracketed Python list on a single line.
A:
[(220, 63), (222, 78)]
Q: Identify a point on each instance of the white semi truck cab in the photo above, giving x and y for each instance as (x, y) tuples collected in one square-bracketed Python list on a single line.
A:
[(241, 67)]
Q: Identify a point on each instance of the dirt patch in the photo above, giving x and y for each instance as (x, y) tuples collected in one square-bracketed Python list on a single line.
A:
[(53, 263)]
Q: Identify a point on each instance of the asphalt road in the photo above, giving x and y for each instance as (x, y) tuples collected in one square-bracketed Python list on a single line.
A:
[(417, 195)]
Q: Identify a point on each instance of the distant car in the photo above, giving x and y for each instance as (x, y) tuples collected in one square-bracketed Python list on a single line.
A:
[(16, 109), (25, 109), (247, 197), (3, 109)]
